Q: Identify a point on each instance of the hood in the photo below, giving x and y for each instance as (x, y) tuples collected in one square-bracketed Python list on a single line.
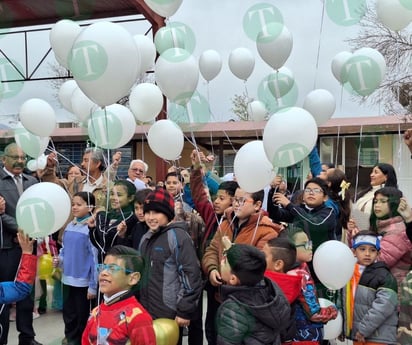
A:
[(265, 301), (290, 285)]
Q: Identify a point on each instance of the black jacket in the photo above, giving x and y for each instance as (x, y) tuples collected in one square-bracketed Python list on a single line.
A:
[(171, 284)]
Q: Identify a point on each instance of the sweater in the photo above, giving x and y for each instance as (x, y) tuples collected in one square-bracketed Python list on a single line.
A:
[(121, 322), (78, 258)]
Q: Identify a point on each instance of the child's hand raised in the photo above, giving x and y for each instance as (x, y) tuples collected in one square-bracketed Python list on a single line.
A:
[(25, 242), (405, 210)]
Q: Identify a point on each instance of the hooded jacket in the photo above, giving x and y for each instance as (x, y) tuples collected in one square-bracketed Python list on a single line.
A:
[(171, 284), (256, 231), (252, 315)]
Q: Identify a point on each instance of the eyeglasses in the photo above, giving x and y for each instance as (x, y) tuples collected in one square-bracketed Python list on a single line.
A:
[(313, 190), (307, 245), (137, 170), (380, 201), (111, 268), (241, 201), (16, 158)]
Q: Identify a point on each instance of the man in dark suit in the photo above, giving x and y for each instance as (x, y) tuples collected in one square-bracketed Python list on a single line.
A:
[(12, 183)]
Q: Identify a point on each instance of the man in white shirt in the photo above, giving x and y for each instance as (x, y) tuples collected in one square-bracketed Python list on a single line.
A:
[(137, 172)]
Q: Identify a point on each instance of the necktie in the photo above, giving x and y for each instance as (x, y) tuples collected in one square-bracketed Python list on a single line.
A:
[(19, 184)]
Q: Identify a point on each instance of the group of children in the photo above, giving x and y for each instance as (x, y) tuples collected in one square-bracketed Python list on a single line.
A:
[(146, 266)]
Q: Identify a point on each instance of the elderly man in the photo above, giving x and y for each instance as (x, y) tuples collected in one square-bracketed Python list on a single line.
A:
[(137, 173), (12, 184), (96, 179)]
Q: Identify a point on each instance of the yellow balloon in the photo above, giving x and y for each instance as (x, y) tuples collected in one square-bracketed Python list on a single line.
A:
[(166, 331), (45, 268)]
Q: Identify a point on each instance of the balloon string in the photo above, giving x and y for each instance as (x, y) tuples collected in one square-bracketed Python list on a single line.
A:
[(358, 162), (400, 148), (337, 147), (319, 44), (230, 142)]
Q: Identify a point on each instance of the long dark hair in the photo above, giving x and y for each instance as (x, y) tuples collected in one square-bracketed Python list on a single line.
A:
[(391, 180), (335, 177), (394, 196)]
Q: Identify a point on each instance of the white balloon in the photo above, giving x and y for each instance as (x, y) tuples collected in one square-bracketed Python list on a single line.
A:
[(82, 105), (333, 328), (393, 14), (164, 8), (375, 56), (38, 117), (252, 169), (66, 92), (330, 257), (105, 62), (321, 104), (338, 63), (274, 44), (62, 36), (289, 136), (147, 52), (177, 75), (241, 63), (38, 163), (32, 145), (166, 139), (111, 127), (42, 209), (280, 82), (146, 101), (210, 64), (257, 111)]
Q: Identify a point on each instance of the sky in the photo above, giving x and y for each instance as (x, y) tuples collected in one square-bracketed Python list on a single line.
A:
[(218, 25)]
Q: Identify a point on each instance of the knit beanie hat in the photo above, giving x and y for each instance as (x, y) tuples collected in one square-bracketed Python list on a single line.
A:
[(160, 200)]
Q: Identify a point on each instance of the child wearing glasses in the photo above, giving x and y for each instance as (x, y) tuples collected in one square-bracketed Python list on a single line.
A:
[(371, 302), (317, 219), (309, 315), (120, 319), (77, 259)]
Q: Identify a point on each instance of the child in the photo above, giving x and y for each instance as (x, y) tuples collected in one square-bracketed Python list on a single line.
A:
[(174, 185), (374, 307), (172, 283), (318, 220), (212, 214), (135, 228), (120, 319), (22, 286), (254, 310), (309, 316), (103, 227), (280, 256), (78, 259)]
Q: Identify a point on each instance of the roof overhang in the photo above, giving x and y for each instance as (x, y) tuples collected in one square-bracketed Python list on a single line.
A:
[(23, 13)]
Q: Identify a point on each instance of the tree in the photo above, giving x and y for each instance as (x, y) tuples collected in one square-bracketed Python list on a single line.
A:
[(395, 92), (240, 103)]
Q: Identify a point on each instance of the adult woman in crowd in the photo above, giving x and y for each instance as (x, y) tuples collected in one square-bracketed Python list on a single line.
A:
[(382, 175)]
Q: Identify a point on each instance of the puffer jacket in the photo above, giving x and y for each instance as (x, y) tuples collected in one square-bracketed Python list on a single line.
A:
[(396, 249), (252, 315), (376, 302)]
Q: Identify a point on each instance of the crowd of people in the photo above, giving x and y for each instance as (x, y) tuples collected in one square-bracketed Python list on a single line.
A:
[(133, 252)]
